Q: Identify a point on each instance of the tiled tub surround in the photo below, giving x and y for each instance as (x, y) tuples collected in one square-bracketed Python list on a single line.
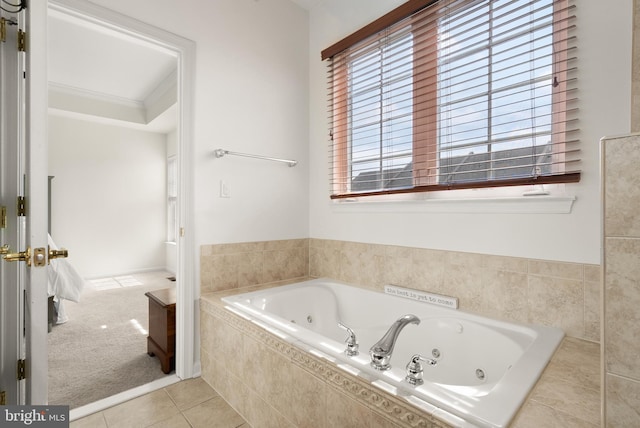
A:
[(229, 266), (563, 295), (621, 285), (274, 384), (482, 369)]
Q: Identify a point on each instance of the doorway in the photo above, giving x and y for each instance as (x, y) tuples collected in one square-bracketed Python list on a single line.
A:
[(111, 113)]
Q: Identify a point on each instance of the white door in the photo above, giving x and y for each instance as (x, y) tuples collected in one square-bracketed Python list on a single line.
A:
[(35, 193), (23, 282), (10, 297)]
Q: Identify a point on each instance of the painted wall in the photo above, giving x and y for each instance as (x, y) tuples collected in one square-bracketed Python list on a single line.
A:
[(108, 196), (604, 37), (251, 96)]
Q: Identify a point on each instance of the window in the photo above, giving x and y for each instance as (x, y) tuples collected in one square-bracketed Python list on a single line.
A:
[(455, 94), (172, 199)]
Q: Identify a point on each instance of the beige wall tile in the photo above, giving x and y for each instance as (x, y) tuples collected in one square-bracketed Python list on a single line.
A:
[(622, 187), (362, 264), (504, 295), (286, 264), (592, 309), (308, 406), (286, 244), (557, 269), (346, 412), (210, 372), (378, 421), (324, 262), (557, 302), (397, 268), (251, 269), (485, 284), (469, 260), (622, 300), (224, 271), (622, 402), (465, 284), (593, 273), (428, 270), (510, 264)]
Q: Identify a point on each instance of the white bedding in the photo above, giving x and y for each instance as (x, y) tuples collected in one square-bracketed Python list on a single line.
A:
[(64, 282)]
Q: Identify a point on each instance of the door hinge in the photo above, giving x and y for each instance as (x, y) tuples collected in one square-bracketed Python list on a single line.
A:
[(22, 370), (3, 398), (22, 42), (22, 207), (3, 217)]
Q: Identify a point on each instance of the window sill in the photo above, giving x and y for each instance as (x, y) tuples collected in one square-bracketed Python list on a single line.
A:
[(497, 205)]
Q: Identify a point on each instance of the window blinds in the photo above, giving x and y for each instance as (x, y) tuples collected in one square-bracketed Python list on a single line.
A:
[(459, 94)]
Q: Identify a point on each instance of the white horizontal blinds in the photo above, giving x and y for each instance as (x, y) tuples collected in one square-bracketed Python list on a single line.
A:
[(460, 94), (496, 84)]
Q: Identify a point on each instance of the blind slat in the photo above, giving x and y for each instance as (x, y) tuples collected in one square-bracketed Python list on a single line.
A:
[(463, 92)]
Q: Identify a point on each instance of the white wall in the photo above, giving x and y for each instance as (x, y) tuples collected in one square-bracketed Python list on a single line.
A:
[(108, 196), (253, 73), (604, 37), (251, 86)]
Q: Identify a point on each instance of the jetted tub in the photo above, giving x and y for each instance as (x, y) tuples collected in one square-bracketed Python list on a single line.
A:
[(484, 368)]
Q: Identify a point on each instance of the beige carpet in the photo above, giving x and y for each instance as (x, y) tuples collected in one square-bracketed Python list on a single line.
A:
[(102, 349)]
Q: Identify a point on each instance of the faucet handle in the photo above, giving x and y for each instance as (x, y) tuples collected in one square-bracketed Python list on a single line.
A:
[(352, 343), (414, 369)]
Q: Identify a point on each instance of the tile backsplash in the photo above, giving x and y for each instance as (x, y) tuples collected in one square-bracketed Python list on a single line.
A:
[(564, 295)]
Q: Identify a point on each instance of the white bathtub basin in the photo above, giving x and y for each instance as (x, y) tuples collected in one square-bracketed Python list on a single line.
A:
[(485, 368)]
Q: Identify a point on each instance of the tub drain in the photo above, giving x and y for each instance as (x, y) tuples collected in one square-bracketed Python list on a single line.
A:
[(480, 374)]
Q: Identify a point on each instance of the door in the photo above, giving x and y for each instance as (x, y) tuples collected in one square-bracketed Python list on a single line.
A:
[(23, 279), (10, 298)]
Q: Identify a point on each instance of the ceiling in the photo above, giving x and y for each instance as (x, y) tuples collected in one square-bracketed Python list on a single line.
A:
[(99, 74), (96, 73)]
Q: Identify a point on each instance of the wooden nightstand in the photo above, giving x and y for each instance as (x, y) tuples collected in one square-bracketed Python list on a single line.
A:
[(162, 327)]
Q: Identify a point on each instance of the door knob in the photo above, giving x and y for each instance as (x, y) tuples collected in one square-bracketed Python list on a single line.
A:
[(62, 253), (22, 256)]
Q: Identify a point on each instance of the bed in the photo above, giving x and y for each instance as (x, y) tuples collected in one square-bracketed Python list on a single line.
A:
[(64, 283)]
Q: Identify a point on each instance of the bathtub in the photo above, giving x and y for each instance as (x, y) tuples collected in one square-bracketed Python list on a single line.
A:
[(484, 369)]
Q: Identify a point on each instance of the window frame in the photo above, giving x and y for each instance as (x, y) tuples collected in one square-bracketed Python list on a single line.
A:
[(425, 156)]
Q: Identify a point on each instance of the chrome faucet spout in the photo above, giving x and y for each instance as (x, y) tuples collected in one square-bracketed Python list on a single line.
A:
[(381, 352)]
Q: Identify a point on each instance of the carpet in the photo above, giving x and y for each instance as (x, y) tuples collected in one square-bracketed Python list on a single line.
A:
[(102, 349)]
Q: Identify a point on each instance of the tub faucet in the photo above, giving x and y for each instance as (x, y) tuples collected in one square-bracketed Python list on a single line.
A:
[(352, 343), (382, 350)]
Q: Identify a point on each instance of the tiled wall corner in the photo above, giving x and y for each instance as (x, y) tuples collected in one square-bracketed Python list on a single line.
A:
[(621, 285), (229, 266), (564, 295)]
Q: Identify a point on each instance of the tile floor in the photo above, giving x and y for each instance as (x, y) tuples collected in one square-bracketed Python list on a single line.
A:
[(188, 404)]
